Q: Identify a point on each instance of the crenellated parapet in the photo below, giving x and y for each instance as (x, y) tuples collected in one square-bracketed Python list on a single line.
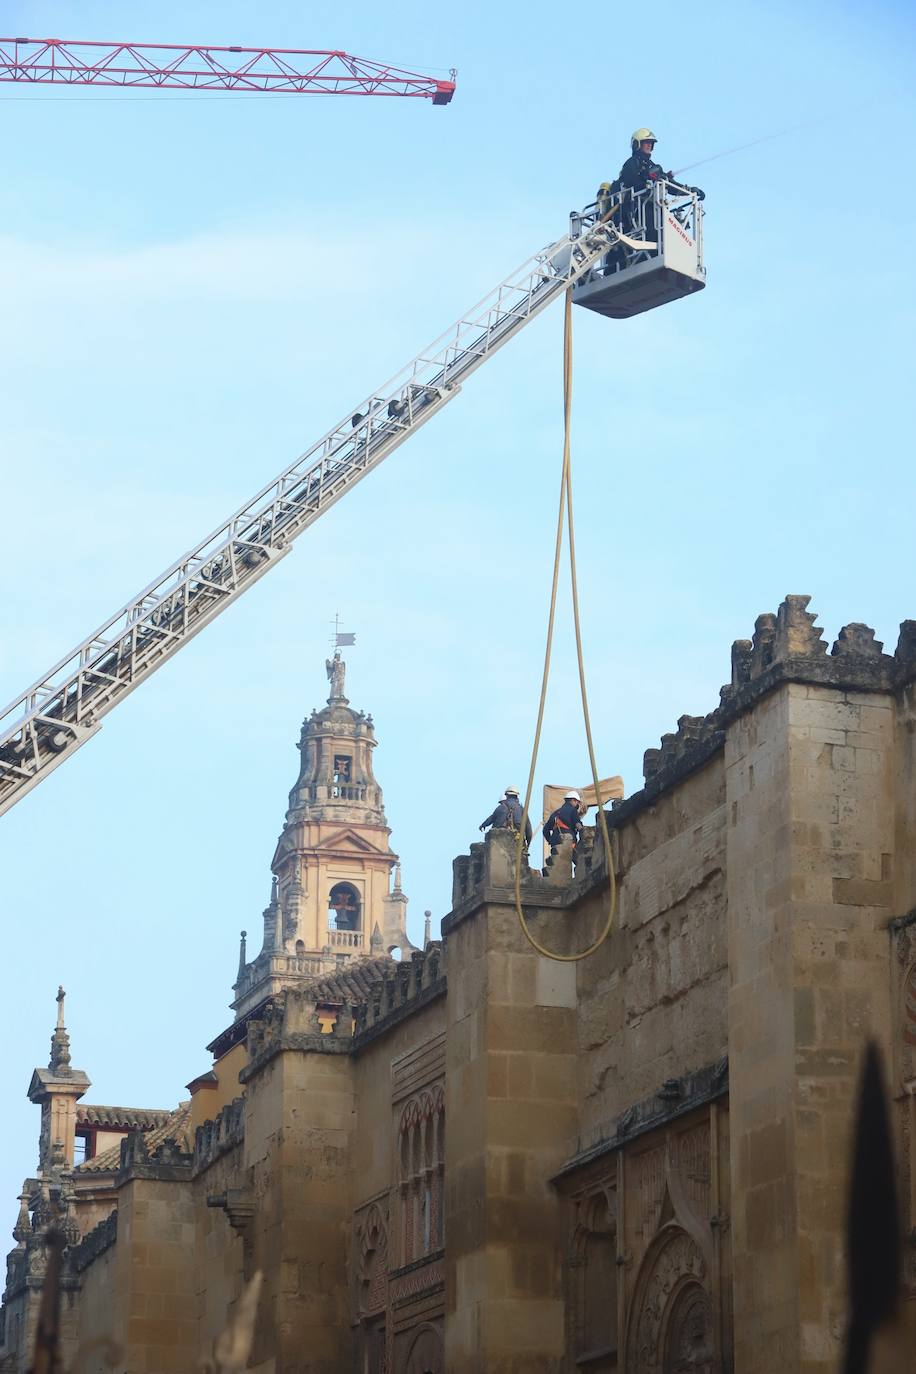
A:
[(215, 1138), (696, 739), (101, 1238), (298, 1019), (489, 866), (788, 646), (167, 1159), (336, 1015), (413, 983)]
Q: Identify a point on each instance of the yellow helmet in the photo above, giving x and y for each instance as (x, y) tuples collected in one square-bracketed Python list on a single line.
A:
[(641, 136)]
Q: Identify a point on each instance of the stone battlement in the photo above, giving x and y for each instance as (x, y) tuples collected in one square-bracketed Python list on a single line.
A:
[(787, 646), (167, 1159), (412, 984), (487, 873), (214, 1138), (336, 1015), (95, 1243)]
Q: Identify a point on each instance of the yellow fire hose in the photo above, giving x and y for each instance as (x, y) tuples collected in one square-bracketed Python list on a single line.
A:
[(565, 512)]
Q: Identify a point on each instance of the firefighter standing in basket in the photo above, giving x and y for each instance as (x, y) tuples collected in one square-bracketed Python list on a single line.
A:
[(639, 174)]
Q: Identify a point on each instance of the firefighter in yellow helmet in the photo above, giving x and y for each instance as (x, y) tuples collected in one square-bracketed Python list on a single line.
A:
[(641, 170), (639, 173)]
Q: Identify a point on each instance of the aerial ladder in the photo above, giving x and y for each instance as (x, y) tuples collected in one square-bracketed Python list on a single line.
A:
[(612, 272)]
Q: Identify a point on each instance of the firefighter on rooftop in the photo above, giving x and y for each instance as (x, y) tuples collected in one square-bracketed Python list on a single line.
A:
[(566, 822), (508, 814)]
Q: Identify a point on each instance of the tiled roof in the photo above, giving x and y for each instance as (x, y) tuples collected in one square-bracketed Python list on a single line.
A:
[(127, 1118), (354, 982), (175, 1125)]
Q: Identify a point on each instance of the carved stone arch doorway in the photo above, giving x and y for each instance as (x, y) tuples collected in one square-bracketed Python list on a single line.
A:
[(670, 1329), (687, 1339), (426, 1354)]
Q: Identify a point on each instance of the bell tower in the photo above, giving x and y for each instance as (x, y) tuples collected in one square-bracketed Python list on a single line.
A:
[(336, 893)]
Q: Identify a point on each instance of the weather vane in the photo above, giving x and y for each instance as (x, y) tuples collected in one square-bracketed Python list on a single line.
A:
[(340, 638)]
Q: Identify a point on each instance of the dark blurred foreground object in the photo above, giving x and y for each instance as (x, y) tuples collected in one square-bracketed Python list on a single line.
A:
[(46, 1360), (873, 1234), (231, 1352)]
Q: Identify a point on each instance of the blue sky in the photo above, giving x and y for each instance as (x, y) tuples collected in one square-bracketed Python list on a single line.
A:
[(194, 289)]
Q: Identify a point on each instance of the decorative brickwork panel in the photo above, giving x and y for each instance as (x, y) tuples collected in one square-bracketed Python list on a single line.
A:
[(417, 1282), (372, 1260), (419, 1068)]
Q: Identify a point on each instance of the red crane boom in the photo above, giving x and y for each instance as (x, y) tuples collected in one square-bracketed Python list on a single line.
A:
[(282, 71)]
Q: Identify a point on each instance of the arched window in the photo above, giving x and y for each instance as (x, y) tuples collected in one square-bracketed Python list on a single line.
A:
[(422, 1168), (593, 1279), (600, 1285), (343, 900)]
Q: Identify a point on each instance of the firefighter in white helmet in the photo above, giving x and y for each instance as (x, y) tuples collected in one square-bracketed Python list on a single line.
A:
[(566, 822), (508, 814), (516, 811)]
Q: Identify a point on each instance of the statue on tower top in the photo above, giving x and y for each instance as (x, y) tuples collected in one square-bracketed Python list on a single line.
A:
[(60, 1040), (336, 670)]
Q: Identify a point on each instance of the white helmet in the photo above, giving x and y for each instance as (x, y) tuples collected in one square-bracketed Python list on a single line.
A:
[(511, 791), (571, 796)]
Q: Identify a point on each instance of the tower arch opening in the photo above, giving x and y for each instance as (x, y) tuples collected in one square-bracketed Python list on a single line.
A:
[(344, 902)]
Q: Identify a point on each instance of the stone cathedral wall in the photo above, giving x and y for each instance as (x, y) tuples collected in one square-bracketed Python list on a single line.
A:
[(638, 1163), (652, 1001)]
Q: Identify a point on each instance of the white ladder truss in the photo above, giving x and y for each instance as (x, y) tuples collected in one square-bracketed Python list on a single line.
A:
[(59, 712)]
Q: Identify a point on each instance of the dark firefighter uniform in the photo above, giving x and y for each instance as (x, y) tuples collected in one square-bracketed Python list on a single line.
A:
[(498, 818), (564, 823), (639, 173), (516, 811)]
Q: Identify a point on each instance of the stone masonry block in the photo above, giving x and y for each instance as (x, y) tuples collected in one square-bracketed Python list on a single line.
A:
[(837, 714), (862, 892), (555, 984)]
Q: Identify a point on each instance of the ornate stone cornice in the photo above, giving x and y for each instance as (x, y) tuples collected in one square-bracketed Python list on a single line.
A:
[(674, 1098)]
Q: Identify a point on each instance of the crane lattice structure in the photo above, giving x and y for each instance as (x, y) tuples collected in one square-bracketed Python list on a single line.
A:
[(65, 707), (194, 67)]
